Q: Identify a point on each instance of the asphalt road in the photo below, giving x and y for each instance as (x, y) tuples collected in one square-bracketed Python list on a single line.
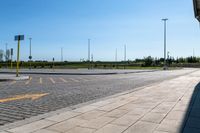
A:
[(45, 93)]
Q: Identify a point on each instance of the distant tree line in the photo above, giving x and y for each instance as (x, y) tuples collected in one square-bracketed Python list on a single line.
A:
[(150, 61), (144, 62)]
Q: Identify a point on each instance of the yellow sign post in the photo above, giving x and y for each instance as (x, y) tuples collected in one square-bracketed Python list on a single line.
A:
[(18, 38), (18, 47)]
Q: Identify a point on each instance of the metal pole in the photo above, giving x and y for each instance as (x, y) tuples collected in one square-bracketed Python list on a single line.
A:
[(30, 56), (193, 53), (18, 48), (116, 55), (125, 53), (11, 63), (124, 56), (116, 58), (6, 57), (11, 53), (165, 40), (92, 57), (88, 53), (61, 54)]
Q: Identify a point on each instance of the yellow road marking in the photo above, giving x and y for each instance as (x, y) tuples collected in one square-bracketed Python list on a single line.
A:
[(74, 80), (26, 96), (13, 82), (63, 80), (27, 82), (52, 80), (40, 80)]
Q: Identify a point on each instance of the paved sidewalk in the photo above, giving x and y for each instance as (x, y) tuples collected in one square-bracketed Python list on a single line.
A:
[(172, 106)]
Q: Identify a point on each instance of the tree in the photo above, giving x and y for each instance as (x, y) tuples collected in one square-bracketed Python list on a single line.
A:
[(148, 61)]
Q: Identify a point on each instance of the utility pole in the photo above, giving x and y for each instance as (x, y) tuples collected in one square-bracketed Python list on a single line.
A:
[(6, 51), (92, 57), (116, 55), (30, 54), (11, 53), (92, 60), (165, 41), (53, 62), (6, 56), (88, 53), (125, 53), (193, 53), (61, 54), (124, 56)]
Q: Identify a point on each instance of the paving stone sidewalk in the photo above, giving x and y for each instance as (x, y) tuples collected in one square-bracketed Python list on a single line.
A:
[(171, 106)]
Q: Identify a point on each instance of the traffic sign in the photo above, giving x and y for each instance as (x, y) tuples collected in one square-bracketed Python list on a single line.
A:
[(19, 37)]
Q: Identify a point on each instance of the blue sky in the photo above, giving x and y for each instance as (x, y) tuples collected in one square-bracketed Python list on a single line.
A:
[(108, 23)]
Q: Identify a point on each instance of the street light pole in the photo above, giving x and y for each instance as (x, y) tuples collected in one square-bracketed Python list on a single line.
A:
[(88, 53), (6, 55), (61, 54), (30, 56), (124, 56), (165, 40), (116, 55), (116, 58)]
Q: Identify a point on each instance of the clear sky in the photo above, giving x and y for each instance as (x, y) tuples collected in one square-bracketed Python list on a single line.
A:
[(108, 23)]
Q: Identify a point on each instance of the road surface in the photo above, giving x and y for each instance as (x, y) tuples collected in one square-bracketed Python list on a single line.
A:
[(44, 93)]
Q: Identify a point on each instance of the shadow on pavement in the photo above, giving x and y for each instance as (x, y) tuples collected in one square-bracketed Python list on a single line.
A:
[(191, 121)]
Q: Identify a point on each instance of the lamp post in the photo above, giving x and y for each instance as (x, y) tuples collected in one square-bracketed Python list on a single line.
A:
[(11, 54), (6, 55), (88, 53), (61, 54), (165, 41), (124, 56), (30, 56)]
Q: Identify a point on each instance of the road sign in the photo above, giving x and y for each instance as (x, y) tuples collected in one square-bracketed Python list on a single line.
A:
[(19, 37)]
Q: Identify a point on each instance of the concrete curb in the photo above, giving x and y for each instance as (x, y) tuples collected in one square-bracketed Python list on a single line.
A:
[(13, 78), (60, 73)]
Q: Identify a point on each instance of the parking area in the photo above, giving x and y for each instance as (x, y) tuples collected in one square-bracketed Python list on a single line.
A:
[(45, 93)]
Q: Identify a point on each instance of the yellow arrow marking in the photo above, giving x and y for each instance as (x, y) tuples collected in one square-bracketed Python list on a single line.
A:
[(26, 96)]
